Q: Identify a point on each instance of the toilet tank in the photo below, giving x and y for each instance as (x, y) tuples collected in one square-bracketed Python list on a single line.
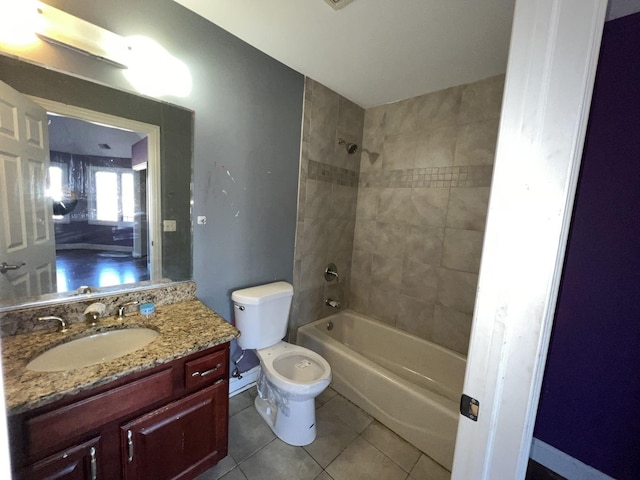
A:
[(262, 314)]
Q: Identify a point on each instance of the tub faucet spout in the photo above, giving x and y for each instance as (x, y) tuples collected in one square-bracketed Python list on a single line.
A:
[(332, 303)]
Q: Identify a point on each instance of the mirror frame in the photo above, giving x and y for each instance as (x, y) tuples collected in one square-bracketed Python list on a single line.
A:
[(176, 126)]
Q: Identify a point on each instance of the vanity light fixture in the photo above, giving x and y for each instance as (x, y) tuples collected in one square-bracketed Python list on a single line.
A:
[(338, 4), (61, 28), (147, 65)]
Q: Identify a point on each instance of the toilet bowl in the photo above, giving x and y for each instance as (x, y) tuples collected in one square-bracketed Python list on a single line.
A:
[(301, 372), (291, 376)]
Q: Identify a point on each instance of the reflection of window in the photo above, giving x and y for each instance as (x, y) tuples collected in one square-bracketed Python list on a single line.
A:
[(57, 186), (55, 182), (111, 195)]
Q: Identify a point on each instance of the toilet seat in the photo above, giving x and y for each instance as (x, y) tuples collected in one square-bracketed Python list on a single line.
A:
[(295, 369)]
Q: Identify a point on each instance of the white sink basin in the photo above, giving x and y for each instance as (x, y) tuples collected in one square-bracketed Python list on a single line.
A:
[(91, 350)]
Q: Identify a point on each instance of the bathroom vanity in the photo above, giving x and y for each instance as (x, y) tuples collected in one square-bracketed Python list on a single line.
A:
[(159, 412)]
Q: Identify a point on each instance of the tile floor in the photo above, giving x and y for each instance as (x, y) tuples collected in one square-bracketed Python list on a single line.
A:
[(350, 445)]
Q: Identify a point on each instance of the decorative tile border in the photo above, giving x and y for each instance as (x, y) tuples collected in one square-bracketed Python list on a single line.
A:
[(436, 177), (332, 174)]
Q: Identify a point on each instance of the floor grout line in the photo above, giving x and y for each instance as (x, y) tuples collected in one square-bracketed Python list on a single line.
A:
[(308, 455)]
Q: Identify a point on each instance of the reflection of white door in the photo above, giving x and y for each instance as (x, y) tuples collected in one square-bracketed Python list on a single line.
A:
[(27, 243)]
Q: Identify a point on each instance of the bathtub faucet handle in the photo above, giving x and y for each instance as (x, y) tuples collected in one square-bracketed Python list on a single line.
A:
[(331, 272), (332, 303)]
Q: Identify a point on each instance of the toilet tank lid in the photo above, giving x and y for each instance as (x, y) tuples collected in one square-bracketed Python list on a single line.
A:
[(262, 293)]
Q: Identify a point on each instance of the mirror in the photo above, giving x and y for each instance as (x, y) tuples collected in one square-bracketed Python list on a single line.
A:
[(175, 146)]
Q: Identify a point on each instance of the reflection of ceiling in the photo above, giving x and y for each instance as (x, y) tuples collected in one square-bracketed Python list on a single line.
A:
[(379, 51), (83, 138)]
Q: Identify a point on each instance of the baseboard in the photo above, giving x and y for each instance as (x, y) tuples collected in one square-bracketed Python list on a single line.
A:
[(247, 381), (563, 464), (93, 246)]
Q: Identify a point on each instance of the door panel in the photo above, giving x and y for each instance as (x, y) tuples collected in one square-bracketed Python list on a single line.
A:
[(27, 243), (179, 440)]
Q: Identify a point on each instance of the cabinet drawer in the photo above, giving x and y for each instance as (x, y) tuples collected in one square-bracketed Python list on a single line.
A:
[(67, 423), (205, 369)]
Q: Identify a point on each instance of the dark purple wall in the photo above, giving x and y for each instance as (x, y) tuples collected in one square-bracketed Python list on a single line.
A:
[(590, 402)]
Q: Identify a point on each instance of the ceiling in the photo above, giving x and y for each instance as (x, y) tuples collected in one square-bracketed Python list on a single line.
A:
[(84, 138), (379, 51), (374, 51)]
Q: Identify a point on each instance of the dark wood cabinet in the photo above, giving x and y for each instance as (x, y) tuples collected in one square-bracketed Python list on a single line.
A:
[(175, 441), (170, 421), (76, 463)]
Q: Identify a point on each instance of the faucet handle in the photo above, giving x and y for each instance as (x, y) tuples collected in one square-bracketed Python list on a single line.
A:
[(331, 272), (93, 312), (125, 305)]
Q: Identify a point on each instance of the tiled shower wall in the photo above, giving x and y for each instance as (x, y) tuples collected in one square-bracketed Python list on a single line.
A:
[(409, 253), (425, 176), (328, 193)]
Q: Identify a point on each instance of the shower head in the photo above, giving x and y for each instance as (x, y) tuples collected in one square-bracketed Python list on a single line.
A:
[(351, 147)]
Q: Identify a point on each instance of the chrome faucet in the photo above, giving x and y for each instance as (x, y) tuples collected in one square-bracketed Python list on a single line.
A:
[(332, 303), (62, 327), (122, 307)]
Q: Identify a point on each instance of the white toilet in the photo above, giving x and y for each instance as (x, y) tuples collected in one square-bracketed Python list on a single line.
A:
[(291, 376)]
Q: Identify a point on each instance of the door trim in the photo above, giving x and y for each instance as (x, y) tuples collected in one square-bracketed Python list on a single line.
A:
[(552, 63), (154, 197)]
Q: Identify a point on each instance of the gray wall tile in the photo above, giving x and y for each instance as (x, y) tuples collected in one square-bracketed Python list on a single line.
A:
[(457, 290), (468, 208), (407, 235), (462, 249), (436, 148), (481, 100), (328, 196), (439, 109), (476, 143), (451, 328)]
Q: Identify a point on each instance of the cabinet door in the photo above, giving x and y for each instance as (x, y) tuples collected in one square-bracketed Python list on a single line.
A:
[(80, 462), (178, 441)]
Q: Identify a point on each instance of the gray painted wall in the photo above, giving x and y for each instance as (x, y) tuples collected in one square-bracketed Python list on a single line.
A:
[(248, 114)]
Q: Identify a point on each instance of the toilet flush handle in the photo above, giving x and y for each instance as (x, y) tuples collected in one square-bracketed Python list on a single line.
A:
[(239, 307)]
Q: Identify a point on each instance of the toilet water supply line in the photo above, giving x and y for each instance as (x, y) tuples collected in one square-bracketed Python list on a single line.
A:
[(236, 371)]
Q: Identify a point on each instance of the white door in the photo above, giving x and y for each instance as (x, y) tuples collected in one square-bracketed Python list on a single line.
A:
[(550, 75), (27, 242)]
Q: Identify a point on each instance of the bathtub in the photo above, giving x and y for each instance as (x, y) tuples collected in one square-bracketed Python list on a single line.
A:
[(409, 384)]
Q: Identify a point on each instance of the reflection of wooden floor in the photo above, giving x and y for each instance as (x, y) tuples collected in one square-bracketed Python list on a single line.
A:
[(96, 268)]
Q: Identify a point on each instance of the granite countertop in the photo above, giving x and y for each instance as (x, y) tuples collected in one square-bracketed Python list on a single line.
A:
[(185, 328)]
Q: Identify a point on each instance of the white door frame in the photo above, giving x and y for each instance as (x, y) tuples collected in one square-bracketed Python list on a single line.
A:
[(552, 64), (153, 184)]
